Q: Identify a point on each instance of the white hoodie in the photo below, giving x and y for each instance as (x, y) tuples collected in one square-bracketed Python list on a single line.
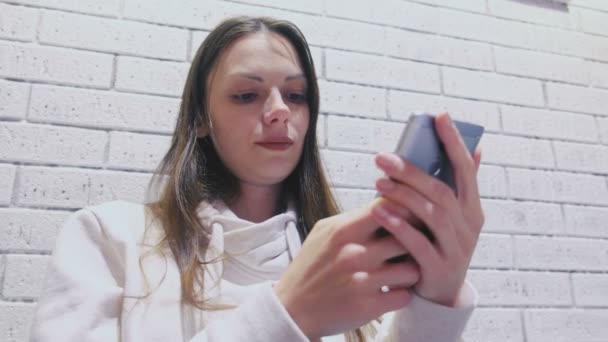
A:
[(97, 290)]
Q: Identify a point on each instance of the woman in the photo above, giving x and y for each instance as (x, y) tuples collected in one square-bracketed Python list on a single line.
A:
[(219, 257)]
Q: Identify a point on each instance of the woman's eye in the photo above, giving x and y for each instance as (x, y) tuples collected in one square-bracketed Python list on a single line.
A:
[(296, 97), (244, 97)]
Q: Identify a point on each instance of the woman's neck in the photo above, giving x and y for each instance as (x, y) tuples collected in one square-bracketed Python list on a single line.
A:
[(256, 203)]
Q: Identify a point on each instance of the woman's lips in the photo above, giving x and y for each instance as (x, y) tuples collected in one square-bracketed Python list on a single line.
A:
[(275, 146)]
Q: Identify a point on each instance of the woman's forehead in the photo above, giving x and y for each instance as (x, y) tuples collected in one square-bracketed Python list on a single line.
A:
[(258, 50)]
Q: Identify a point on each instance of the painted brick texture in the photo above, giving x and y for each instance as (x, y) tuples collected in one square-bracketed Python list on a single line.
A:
[(90, 91)]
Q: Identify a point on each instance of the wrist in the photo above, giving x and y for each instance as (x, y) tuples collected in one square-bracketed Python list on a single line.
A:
[(299, 318), (451, 300)]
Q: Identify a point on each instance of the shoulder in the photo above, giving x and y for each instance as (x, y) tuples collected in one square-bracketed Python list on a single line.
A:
[(116, 220)]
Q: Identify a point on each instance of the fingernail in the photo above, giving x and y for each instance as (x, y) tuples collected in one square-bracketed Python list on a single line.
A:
[(389, 160), (450, 121), (387, 216), (380, 211)]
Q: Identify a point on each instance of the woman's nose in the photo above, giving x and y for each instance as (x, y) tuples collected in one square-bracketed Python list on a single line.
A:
[(275, 109)]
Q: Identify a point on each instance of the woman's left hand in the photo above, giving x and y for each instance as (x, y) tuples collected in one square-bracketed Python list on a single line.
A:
[(454, 219)]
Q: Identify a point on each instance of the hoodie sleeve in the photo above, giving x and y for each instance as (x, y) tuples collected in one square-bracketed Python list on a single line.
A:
[(423, 320), (83, 295), (261, 318)]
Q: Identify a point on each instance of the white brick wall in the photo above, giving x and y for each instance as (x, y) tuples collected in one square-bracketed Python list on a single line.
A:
[(89, 93)]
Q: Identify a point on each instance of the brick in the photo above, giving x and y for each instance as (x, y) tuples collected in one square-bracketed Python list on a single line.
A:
[(593, 21), (499, 31), (354, 67), (197, 39), (581, 157), (24, 275), (571, 43), (137, 151), (30, 230), (392, 12), (552, 253), (190, 13), (557, 186), (470, 5), (107, 7), (13, 99), (577, 99), (2, 267), (15, 321), (541, 65), (586, 221), (75, 188), (351, 169), (312, 6), (492, 181), (344, 34), (599, 74), (594, 4), (492, 87), (548, 124), (317, 58), (352, 99), (322, 130), (517, 151), (565, 325), (151, 76), (110, 186), (18, 23), (515, 288), (523, 35), (401, 104), (494, 324), (362, 134), (205, 16), (522, 217), (51, 144), (493, 250), (438, 49), (100, 109), (590, 289), (552, 14), (113, 35), (602, 124), (53, 187), (354, 198), (7, 180), (50, 64)]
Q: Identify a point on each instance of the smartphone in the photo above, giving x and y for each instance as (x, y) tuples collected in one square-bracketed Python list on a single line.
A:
[(420, 145)]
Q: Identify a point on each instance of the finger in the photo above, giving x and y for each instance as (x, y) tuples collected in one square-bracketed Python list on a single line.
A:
[(408, 173), (419, 247), (460, 158), (380, 250), (437, 219), (357, 225), (392, 300), (400, 275), (477, 158)]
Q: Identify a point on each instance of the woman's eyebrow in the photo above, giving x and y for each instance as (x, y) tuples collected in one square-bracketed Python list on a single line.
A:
[(260, 79)]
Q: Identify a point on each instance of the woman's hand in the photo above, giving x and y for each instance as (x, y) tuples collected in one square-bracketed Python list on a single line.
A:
[(334, 284), (454, 219)]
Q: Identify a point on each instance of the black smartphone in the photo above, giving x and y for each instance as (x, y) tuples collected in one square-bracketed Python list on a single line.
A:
[(420, 145)]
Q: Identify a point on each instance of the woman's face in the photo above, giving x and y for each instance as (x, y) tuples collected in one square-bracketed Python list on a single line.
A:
[(258, 108)]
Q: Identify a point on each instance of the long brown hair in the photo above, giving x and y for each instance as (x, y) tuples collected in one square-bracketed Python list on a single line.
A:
[(192, 172)]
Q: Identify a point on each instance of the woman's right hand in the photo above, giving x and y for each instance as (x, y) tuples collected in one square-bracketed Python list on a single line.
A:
[(334, 284)]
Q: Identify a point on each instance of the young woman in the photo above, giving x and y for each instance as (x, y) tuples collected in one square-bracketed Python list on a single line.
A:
[(219, 256)]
